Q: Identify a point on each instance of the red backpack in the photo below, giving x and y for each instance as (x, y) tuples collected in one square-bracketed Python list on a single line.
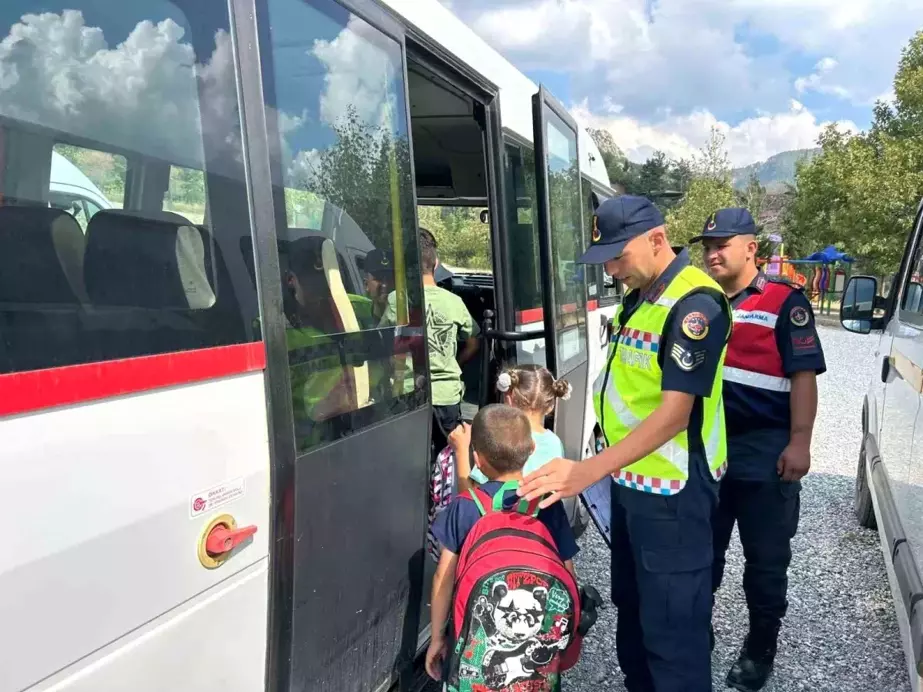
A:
[(516, 608)]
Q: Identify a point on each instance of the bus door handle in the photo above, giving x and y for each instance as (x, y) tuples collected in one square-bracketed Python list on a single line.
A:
[(223, 539), (490, 336)]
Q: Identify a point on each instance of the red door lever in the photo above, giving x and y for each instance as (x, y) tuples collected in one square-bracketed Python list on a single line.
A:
[(221, 539)]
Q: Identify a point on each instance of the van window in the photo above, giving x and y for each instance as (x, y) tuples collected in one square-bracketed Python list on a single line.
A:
[(335, 94), (600, 286), (186, 193), (93, 266), (912, 298)]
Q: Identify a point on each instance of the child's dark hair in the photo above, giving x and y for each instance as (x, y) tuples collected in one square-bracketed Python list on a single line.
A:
[(533, 387), (503, 436)]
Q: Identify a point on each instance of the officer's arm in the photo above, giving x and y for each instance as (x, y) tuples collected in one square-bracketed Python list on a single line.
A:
[(802, 361)]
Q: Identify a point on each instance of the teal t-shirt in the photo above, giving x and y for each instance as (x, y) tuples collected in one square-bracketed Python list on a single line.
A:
[(548, 446)]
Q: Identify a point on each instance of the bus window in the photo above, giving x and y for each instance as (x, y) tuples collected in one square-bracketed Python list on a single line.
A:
[(84, 181), (522, 220), (568, 240), (93, 266), (335, 90), (186, 193), (600, 286)]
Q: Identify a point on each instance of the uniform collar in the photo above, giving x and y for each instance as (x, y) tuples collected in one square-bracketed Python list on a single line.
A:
[(652, 295), (759, 282)]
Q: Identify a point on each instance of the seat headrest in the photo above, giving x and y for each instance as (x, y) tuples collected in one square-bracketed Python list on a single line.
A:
[(149, 260), (36, 246)]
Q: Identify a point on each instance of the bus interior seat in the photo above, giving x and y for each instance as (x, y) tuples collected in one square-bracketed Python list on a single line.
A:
[(41, 291), (347, 317), (151, 273)]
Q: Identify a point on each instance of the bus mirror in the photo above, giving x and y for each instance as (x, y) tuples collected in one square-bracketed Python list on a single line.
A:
[(857, 308)]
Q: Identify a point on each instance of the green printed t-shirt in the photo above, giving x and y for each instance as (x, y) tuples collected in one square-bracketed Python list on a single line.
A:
[(548, 446), (447, 321)]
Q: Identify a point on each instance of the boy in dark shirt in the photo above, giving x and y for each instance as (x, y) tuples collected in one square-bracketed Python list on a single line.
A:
[(501, 443)]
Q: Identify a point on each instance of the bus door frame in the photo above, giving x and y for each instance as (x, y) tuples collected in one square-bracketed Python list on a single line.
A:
[(249, 27), (570, 415)]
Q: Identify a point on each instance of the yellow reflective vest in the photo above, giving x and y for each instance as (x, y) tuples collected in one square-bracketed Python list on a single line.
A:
[(629, 390)]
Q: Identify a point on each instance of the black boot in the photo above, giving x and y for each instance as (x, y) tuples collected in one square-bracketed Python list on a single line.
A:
[(752, 668)]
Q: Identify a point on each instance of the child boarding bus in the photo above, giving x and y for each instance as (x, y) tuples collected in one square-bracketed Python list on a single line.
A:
[(213, 477)]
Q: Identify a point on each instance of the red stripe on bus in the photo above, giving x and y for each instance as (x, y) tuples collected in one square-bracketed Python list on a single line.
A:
[(72, 384), (537, 315)]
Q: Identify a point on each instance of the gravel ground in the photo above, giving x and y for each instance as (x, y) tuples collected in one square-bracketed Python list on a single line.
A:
[(840, 633)]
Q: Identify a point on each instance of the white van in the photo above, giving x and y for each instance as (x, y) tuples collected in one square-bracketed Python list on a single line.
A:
[(889, 481), (73, 192)]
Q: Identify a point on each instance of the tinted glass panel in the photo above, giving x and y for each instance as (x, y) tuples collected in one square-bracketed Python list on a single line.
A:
[(522, 221), (600, 286), (99, 101), (345, 219), (568, 241)]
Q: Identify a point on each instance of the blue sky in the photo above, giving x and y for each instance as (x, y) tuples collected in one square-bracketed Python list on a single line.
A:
[(659, 74)]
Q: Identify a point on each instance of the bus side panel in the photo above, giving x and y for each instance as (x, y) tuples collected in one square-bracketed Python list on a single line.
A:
[(102, 498)]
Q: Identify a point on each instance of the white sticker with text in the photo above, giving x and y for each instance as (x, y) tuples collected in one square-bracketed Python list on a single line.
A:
[(215, 497)]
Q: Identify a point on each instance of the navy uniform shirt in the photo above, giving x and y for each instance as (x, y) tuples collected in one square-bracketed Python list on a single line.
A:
[(689, 365), (759, 421)]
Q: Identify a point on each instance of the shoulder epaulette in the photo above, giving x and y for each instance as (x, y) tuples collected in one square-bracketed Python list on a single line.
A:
[(785, 281)]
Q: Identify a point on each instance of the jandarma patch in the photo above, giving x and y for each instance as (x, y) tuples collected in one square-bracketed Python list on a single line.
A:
[(695, 326), (799, 316)]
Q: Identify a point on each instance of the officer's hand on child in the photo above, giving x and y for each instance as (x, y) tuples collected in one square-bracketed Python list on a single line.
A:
[(794, 462), (560, 477), (435, 655)]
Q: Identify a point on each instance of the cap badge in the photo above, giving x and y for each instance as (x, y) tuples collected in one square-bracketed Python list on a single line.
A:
[(596, 235), (384, 261), (711, 223)]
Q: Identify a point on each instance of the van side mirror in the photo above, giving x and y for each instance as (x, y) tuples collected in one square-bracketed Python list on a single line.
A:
[(857, 309)]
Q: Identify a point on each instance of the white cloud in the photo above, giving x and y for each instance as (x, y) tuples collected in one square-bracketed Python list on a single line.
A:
[(147, 93), (360, 74), (819, 81), (753, 139), (677, 56)]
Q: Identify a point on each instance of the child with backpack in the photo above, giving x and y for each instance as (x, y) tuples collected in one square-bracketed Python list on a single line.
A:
[(533, 390), (505, 584)]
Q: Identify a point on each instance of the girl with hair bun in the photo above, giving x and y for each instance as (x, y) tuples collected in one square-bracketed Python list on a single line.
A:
[(534, 390)]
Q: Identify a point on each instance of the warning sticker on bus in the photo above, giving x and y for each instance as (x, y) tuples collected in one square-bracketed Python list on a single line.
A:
[(215, 497)]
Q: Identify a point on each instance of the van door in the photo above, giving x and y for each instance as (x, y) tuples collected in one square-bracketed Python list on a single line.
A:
[(902, 378), (561, 242)]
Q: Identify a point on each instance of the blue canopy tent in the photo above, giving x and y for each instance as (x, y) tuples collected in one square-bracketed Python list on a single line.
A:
[(825, 258)]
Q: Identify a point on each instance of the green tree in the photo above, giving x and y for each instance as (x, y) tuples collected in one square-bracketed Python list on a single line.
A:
[(709, 190)]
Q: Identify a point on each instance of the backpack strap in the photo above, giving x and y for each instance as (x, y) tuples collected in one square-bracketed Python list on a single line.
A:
[(481, 499), (524, 507)]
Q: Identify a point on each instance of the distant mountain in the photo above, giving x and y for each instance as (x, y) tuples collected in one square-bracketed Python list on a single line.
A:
[(775, 171)]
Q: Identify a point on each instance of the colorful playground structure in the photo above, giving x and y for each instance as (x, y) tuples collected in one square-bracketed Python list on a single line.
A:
[(828, 270)]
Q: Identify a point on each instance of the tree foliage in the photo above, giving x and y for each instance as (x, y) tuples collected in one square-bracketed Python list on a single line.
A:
[(861, 192), (709, 190)]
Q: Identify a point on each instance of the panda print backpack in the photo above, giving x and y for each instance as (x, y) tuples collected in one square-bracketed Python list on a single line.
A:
[(515, 615)]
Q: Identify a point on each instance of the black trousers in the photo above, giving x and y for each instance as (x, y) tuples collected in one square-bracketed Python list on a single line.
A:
[(661, 577), (445, 420), (767, 514)]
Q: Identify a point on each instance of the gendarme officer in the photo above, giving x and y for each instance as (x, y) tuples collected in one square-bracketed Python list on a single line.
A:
[(658, 403), (770, 397)]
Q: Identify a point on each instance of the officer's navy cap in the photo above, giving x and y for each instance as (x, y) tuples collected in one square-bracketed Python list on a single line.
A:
[(617, 221), (726, 223), (378, 263)]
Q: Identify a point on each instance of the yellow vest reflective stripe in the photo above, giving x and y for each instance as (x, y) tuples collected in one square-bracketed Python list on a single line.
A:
[(629, 390)]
